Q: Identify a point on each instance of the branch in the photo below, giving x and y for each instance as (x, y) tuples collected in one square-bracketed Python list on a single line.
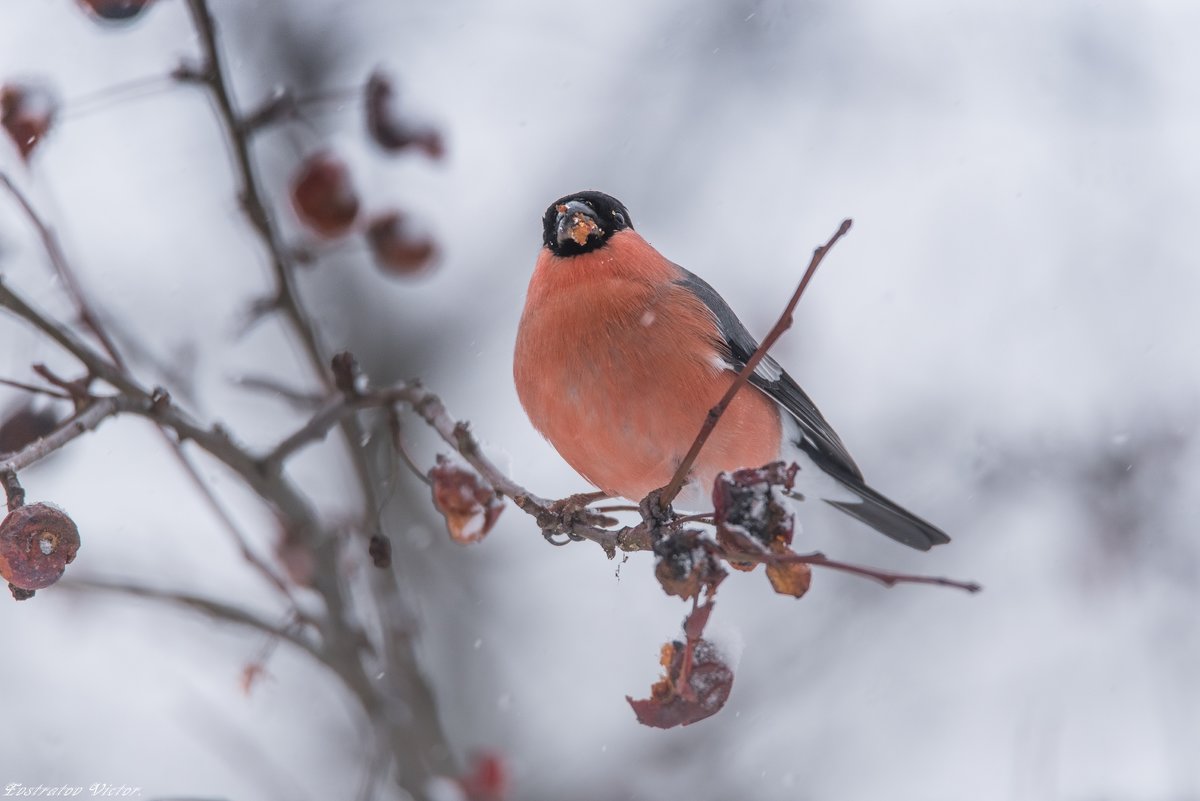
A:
[(551, 517), (885, 577), (668, 493), (157, 406), (82, 423), (295, 397), (86, 420), (328, 416), (214, 76), (217, 610), (554, 517), (65, 274), (416, 756), (96, 364), (34, 390)]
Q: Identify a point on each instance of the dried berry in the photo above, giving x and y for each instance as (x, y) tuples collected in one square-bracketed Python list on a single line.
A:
[(37, 542), (696, 686), (686, 564), (295, 556), (26, 113), (26, 424), (789, 578), (753, 518), (488, 778), (469, 505), (380, 551), (347, 375), (115, 10), (324, 196), (398, 248), (391, 131), (750, 512)]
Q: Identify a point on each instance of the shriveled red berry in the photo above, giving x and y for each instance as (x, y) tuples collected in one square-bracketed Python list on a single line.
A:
[(26, 113), (115, 10), (37, 542), (389, 129), (469, 505), (324, 196), (398, 248), (26, 424)]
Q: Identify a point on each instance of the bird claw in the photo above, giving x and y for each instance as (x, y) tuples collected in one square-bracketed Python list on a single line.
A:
[(654, 513), (564, 514)]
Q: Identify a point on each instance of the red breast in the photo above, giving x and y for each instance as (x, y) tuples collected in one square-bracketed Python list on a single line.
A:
[(617, 366)]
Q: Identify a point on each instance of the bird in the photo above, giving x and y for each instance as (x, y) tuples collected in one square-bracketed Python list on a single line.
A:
[(620, 354)]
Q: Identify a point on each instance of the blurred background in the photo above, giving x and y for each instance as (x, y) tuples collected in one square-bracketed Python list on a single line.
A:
[(1006, 342)]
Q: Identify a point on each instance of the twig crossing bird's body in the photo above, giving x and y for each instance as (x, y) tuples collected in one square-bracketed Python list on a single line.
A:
[(621, 353)]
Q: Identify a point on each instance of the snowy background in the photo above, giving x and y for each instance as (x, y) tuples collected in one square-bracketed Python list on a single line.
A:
[(1006, 341)]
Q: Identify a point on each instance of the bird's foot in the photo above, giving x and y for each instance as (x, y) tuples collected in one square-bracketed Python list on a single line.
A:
[(573, 510), (655, 514)]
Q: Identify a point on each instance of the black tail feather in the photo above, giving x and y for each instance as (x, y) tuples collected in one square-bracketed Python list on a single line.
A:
[(888, 518)]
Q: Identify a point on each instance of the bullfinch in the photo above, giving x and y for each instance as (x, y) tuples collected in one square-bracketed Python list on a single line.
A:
[(621, 353)]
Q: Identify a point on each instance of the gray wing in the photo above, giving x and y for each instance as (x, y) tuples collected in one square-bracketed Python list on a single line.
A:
[(820, 441)]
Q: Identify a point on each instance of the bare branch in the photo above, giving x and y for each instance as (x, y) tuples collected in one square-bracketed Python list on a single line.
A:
[(296, 397), (417, 757), (94, 414), (87, 420), (240, 539), (885, 577), (328, 416), (397, 433), (214, 77), (34, 390), (215, 609), (668, 493), (99, 366), (65, 274), (12, 490)]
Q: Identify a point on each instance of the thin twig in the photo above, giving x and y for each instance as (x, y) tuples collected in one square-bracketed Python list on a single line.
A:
[(235, 532), (93, 415), (35, 390), (705, 517), (250, 192), (66, 275), (214, 75), (419, 744), (134, 89), (298, 398), (87, 313), (156, 406), (668, 493), (328, 416), (884, 577), (397, 431), (213, 608), (13, 490), (617, 508)]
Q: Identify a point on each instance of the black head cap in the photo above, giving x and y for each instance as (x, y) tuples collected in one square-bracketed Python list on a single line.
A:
[(582, 222)]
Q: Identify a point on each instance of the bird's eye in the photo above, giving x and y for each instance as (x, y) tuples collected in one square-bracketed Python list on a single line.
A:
[(619, 217)]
